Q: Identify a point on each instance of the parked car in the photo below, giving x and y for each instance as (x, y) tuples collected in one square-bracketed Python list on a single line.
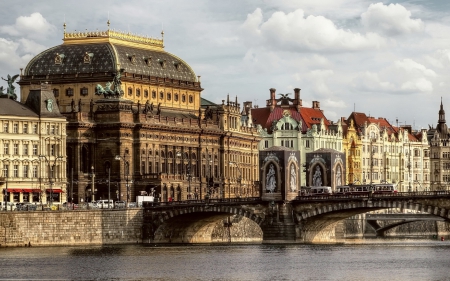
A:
[(103, 204), (132, 205), (7, 206), (92, 205), (70, 206), (120, 204)]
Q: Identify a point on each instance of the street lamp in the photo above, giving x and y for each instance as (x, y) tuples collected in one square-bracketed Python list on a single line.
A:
[(51, 170), (126, 172), (239, 178), (187, 170)]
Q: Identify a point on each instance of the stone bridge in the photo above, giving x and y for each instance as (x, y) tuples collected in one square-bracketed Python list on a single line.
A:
[(307, 219), (397, 220)]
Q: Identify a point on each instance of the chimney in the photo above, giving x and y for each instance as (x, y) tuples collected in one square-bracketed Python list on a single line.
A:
[(316, 105), (297, 100), (272, 93), (272, 102)]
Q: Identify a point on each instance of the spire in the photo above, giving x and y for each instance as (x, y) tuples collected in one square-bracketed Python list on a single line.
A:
[(441, 114)]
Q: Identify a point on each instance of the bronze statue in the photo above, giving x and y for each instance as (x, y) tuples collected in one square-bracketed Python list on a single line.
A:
[(107, 92), (10, 91)]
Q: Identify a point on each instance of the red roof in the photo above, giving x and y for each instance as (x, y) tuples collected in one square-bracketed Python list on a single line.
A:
[(308, 116)]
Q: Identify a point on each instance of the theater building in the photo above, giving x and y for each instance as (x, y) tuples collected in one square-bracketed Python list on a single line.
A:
[(137, 122)]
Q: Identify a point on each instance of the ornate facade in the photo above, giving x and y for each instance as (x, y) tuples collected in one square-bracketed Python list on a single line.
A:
[(439, 139), (138, 124), (32, 149), (388, 153), (285, 122)]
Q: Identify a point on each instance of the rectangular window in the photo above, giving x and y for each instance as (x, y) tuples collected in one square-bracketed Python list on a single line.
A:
[(35, 149), (52, 149), (16, 148), (52, 130), (307, 144), (15, 128), (35, 128), (16, 171), (25, 128), (25, 171), (143, 167), (5, 127), (6, 148), (6, 170), (266, 144), (25, 149), (35, 171)]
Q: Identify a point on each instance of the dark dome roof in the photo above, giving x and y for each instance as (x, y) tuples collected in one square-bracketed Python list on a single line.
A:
[(106, 52)]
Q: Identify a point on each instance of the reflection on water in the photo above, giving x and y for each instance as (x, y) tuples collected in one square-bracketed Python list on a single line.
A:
[(393, 261)]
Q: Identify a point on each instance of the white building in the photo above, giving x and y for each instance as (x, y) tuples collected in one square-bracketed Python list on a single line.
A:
[(32, 149)]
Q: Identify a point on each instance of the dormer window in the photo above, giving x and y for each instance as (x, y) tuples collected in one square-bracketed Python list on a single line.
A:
[(59, 58), (132, 58), (87, 57), (148, 61), (177, 65), (162, 63)]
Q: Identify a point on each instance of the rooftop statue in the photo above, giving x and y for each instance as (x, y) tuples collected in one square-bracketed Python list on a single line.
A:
[(109, 93), (11, 90)]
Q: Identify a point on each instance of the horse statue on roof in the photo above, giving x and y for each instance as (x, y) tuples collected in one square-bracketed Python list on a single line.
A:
[(109, 93)]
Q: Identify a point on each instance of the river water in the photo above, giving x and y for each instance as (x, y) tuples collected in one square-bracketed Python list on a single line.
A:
[(405, 260)]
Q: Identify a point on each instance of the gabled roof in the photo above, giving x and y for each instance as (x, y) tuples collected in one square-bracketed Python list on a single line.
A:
[(308, 116), (263, 116), (312, 116)]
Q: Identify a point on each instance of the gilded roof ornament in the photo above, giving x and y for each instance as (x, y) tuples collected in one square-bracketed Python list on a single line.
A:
[(113, 36)]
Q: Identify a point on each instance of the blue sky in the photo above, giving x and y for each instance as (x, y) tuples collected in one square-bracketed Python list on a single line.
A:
[(386, 59)]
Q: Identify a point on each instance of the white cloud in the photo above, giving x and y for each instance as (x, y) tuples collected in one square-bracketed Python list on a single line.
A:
[(297, 32), (35, 26), (391, 20), (30, 47), (10, 60), (404, 76)]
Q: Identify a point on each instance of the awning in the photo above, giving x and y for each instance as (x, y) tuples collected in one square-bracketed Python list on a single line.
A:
[(23, 190), (54, 190), (31, 190), (14, 190)]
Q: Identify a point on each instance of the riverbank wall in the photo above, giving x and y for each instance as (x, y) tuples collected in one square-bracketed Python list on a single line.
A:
[(60, 228)]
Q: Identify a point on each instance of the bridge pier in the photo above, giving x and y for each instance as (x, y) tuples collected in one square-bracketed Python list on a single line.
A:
[(279, 226)]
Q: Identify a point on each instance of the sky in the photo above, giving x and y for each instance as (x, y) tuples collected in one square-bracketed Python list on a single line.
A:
[(385, 59)]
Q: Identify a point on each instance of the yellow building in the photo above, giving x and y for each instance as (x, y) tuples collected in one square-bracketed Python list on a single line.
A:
[(352, 149)]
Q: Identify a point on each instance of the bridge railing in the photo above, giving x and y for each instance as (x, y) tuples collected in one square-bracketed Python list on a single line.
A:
[(415, 194), (223, 201)]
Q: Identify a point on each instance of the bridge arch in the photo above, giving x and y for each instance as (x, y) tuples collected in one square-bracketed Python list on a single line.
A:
[(317, 223), (204, 224)]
